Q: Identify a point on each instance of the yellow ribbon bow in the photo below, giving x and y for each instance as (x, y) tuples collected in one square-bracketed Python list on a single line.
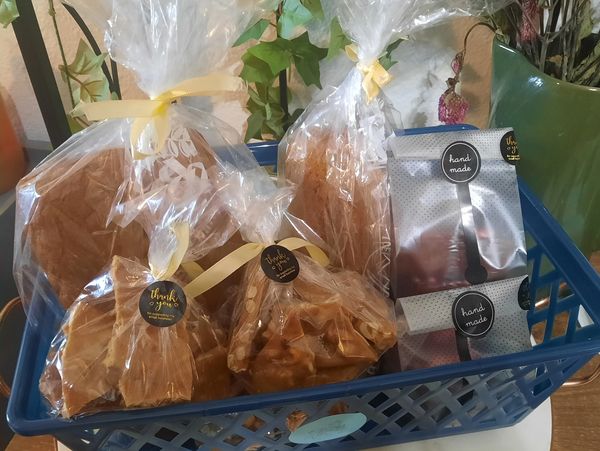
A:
[(375, 76), (154, 112), (238, 258)]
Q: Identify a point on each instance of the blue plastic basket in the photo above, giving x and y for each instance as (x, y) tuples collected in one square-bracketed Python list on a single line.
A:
[(413, 405)]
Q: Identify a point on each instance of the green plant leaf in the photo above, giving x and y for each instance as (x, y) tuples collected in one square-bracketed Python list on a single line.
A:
[(255, 125), (8, 12), (256, 70), (386, 60), (87, 81), (74, 125), (254, 32), (275, 53), (86, 61), (315, 8), (94, 89), (293, 15), (274, 95), (263, 92), (338, 40), (268, 111), (307, 57), (275, 126), (394, 45), (255, 97)]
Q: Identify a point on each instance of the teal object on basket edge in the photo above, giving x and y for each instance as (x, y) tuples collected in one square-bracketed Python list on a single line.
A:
[(412, 405)]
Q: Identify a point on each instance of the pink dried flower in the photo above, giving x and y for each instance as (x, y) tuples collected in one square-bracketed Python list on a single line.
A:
[(457, 62), (529, 20), (452, 107)]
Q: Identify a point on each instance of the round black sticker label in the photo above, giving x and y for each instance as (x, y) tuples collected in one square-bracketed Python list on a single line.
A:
[(461, 162), (473, 314), (279, 264), (163, 304), (524, 296), (509, 148)]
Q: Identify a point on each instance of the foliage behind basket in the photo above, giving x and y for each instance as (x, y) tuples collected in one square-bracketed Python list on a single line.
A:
[(557, 36)]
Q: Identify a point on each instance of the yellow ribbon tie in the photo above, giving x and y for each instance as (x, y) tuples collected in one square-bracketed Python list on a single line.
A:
[(192, 269), (155, 111), (375, 76), (238, 258)]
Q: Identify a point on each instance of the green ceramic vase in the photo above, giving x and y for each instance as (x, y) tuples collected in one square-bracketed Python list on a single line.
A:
[(557, 125)]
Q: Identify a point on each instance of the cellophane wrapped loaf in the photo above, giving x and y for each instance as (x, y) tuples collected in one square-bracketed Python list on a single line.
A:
[(334, 152), (322, 326), (143, 208), (92, 199)]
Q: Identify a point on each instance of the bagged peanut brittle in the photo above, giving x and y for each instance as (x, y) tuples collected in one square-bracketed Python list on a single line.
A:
[(299, 322), (133, 341), (325, 326), (334, 152)]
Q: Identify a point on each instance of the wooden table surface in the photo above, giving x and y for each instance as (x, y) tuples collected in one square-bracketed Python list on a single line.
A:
[(576, 415)]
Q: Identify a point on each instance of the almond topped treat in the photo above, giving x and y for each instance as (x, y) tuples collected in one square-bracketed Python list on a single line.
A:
[(324, 326)]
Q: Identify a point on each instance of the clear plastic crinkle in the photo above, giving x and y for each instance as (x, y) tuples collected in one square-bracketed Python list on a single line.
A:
[(334, 153)]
